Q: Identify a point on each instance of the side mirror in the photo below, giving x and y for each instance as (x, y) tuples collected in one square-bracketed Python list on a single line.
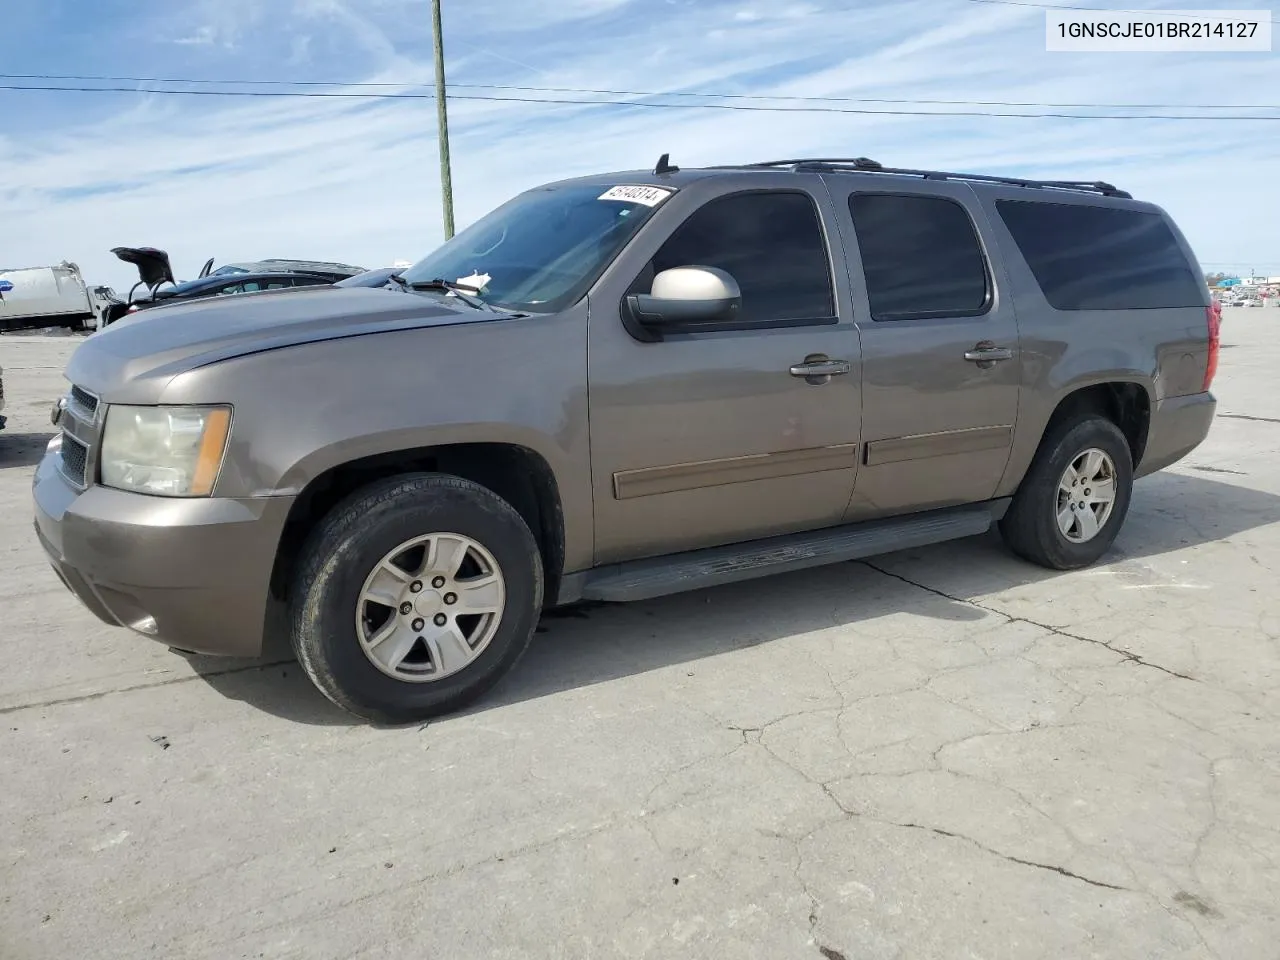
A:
[(683, 300)]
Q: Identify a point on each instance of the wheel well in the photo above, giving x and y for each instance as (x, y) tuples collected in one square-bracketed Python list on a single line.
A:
[(1127, 405), (517, 474)]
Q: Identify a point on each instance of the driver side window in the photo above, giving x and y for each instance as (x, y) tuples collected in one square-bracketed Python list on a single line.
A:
[(770, 242)]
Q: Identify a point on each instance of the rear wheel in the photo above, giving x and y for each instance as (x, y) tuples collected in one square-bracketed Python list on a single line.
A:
[(1073, 501), (415, 596)]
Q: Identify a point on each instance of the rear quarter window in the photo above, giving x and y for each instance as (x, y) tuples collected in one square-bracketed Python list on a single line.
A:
[(1089, 257)]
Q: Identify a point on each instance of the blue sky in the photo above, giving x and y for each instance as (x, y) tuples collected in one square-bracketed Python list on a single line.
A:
[(357, 180)]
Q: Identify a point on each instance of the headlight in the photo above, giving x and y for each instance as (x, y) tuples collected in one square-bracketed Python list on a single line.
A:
[(168, 451)]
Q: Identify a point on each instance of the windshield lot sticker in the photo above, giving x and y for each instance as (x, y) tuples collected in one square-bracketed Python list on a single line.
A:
[(477, 281), (648, 196)]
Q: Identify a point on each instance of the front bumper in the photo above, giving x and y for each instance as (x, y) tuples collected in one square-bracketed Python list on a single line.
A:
[(1178, 426), (191, 573)]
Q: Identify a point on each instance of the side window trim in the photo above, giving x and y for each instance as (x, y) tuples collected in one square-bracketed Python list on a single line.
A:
[(744, 326), (988, 298)]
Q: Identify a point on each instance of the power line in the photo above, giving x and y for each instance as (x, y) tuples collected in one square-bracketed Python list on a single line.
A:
[(753, 108), (1176, 14), (288, 83), (645, 93)]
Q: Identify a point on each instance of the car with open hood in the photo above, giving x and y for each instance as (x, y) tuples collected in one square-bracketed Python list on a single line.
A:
[(155, 275), (622, 386)]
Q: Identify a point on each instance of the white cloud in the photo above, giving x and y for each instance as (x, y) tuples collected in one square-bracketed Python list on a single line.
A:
[(357, 180), (203, 37)]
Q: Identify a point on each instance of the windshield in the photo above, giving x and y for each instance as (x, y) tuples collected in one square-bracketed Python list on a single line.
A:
[(541, 250)]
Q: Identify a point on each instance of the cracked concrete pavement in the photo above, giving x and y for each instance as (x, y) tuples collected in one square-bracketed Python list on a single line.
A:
[(940, 753)]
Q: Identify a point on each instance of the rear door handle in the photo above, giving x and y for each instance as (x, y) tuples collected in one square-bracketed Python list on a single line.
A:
[(987, 353), (820, 368)]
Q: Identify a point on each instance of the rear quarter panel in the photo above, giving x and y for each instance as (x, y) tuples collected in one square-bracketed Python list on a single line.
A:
[(302, 410), (1164, 351)]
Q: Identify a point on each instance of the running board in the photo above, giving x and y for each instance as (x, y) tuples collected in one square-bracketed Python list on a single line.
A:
[(659, 576)]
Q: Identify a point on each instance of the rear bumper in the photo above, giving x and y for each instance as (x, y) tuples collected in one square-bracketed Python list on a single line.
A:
[(1178, 426), (190, 573)]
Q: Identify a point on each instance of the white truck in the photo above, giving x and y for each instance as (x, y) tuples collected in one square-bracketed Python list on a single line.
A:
[(57, 296)]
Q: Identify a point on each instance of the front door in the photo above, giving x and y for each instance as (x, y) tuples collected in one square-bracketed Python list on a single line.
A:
[(941, 364), (711, 438)]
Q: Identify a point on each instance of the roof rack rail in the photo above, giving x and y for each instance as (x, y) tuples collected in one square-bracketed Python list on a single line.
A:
[(865, 165)]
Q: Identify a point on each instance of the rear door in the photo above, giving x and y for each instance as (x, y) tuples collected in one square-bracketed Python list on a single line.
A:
[(941, 358), (712, 437)]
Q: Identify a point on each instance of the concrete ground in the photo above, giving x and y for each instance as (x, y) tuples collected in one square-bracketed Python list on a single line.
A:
[(942, 753)]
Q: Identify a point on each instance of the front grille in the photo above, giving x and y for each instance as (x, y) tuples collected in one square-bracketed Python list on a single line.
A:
[(81, 423), (73, 459), (85, 400)]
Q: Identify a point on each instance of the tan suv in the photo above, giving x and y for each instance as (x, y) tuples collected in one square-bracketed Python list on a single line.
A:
[(624, 386)]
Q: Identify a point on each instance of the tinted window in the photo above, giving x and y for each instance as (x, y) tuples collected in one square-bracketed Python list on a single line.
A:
[(920, 256), (187, 288), (771, 243), (1101, 258)]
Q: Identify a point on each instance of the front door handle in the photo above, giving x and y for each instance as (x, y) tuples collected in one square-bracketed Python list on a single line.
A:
[(985, 353), (819, 368)]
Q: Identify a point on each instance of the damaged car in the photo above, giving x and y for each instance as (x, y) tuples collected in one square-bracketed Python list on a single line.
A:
[(155, 275)]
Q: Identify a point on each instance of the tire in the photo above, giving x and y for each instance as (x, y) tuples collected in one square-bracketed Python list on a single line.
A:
[(1031, 526), (328, 600)]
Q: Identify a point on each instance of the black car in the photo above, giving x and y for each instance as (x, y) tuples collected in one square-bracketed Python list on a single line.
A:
[(333, 272), (220, 285), (156, 275), (378, 277)]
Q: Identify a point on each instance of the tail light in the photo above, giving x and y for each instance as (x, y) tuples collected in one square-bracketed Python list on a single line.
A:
[(1213, 314)]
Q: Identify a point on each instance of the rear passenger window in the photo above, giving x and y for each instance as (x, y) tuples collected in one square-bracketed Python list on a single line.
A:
[(771, 243), (920, 256), (1088, 257)]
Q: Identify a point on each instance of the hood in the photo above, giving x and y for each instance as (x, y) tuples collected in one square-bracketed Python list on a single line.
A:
[(163, 343), (153, 265)]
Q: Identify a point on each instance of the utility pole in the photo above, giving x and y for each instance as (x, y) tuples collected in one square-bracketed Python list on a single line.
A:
[(442, 122)]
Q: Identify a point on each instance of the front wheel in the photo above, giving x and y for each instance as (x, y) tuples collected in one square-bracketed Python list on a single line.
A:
[(414, 597), (1073, 501)]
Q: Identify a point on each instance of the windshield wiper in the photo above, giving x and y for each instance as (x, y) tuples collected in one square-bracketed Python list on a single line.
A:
[(459, 290), (399, 279)]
